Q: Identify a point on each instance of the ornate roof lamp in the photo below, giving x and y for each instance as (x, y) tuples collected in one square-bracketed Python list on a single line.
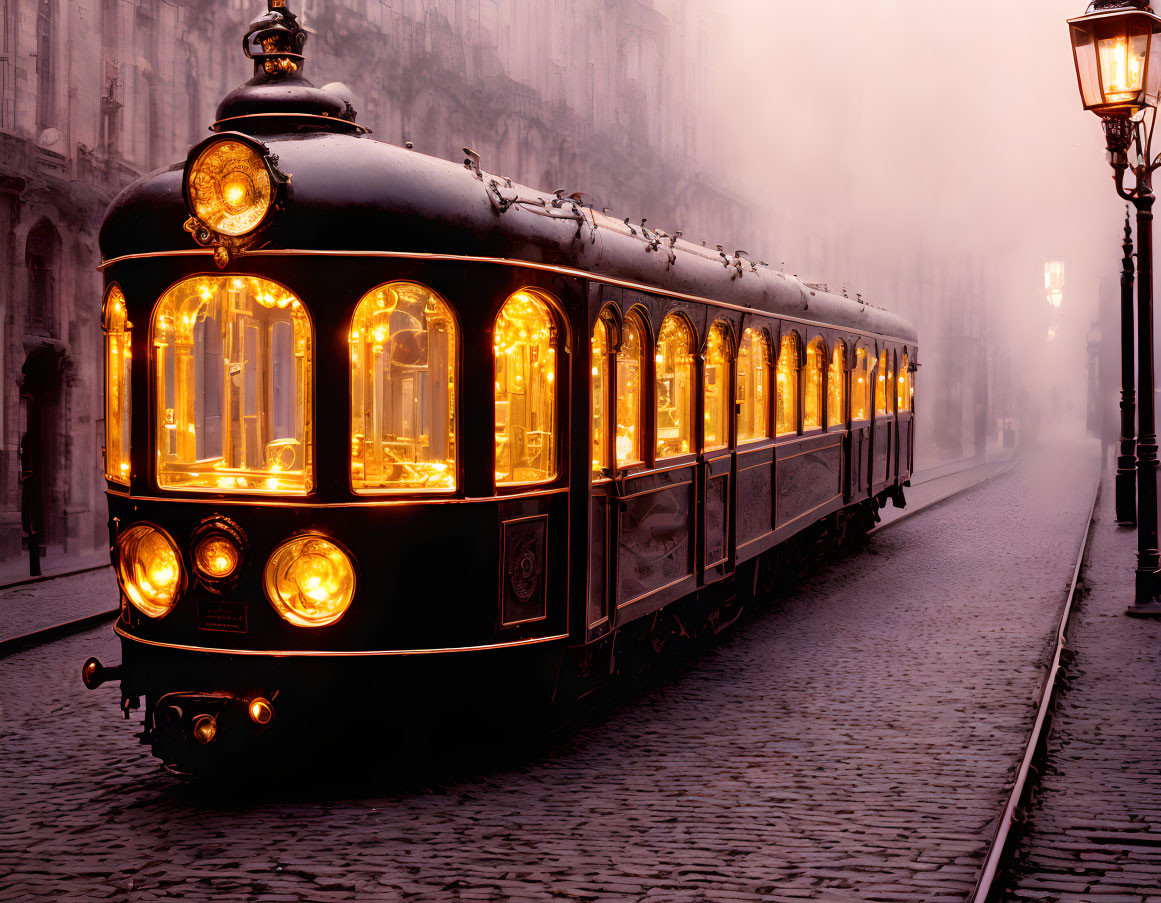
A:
[(1116, 46)]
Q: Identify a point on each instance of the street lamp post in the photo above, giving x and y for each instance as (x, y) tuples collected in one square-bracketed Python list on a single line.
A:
[(1117, 50), (1127, 460)]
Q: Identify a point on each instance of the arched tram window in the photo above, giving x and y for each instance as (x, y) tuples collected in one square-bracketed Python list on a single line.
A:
[(600, 390), (753, 387), (904, 383), (787, 396), (118, 405), (403, 391), (630, 384), (883, 386), (836, 409), (232, 364), (717, 389), (524, 348), (861, 386), (813, 386), (675, 388)]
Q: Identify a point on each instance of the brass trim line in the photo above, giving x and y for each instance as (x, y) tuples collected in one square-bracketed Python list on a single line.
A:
[(320, 653), (526, 264)]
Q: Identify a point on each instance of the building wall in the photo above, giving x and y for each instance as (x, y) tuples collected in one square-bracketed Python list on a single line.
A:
[(611, 97)]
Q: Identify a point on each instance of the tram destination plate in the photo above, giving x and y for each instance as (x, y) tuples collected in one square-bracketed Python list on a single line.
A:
[(227, 617)]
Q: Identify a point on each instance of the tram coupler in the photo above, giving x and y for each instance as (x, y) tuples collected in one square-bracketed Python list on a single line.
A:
[(93, 673)]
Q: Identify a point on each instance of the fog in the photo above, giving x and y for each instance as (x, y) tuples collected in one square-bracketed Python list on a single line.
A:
[(930, 156)]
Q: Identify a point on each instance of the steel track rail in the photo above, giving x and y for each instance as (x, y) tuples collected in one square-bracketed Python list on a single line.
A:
[(986, 884)]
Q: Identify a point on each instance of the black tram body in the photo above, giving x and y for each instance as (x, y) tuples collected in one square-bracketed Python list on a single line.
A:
[(505, 586)]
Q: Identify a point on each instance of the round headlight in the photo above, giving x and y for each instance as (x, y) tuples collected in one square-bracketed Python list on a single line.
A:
[(216, 557), (149, 569), (310, 581), (229, 188)]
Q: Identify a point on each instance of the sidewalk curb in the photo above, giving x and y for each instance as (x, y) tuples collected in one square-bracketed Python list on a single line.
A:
[(16, 644), (41, 579)]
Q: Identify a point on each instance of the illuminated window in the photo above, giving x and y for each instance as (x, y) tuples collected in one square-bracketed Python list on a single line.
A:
[(882, 383), (524, 347), (786, 412), (403, 391), (630, 382), (812, 386), (904, 383), (836, 408), (232, 358), (118, 403), (675, 408), (861, 386), (753, 383), (600, 388), (717, 389)]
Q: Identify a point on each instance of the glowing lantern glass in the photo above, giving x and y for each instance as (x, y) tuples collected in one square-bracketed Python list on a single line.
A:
[(1118, 58), (1054, 283)]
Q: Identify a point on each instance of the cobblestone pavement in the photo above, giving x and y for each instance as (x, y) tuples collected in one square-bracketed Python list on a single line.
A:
[(853, 742), (35, 606), (1096, 822)]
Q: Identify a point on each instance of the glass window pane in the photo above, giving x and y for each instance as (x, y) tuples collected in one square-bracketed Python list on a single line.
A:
[(675, 408), (753, 379), (403, 391), (717, 389), (118, 401), (861, 386), (600, 389), (787, 398), (882, 376), (630, 370), (524, 347), (836, 409), (812, 388), (232, 358), (901, 384)]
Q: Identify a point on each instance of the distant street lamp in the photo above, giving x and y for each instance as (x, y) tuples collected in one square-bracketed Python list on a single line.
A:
[(1117, 50), (1054, 283)]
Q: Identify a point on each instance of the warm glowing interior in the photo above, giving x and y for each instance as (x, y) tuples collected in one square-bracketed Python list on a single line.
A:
[(630, 383), (310, 581), (403, 391), (717, 388), (118, 400), (524, 351), (861, 386), (675, 388), (786, 412), (836, 409), (232, 365), (600, 389), (882, 385), (1122, 62), (812, 386), (230, 188), (902, 383), (753, 391)]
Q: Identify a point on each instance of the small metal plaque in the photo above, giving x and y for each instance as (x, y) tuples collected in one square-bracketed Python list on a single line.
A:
[(229, 617)]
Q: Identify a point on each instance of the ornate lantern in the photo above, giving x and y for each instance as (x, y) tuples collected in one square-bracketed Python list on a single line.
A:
[(1116, 46)]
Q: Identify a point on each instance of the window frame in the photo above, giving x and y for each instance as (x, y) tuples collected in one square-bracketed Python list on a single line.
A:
[(797, 371), (656, 461), (769, 361), (562, 345), (867, 348), (114, 290), (608, 318), (639, 315), (457, 364), (728, 367), (310, 429), (823, 357), (839, 346)]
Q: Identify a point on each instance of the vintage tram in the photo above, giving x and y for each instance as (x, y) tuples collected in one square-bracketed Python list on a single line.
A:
[(376, 420)]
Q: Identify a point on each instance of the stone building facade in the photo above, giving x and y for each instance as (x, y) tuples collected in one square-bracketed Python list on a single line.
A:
[(612, 97)]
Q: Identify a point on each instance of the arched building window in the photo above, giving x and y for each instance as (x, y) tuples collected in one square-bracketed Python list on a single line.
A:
[(630, 386), (45, 59), (118, 398), (42, 260), (674, 378), (717, 388), (753, 386), (786, 411), (403, 390), (836, 395), (812, 386), (524, 352)]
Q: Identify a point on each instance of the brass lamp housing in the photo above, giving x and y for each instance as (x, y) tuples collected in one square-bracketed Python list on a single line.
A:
[(1117, 53)]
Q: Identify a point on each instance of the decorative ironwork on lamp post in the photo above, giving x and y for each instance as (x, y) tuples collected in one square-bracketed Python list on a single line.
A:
[(1126, 497), (1116, 46)]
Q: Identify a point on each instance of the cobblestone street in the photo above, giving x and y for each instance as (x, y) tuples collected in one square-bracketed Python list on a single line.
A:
[(853, 742)]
